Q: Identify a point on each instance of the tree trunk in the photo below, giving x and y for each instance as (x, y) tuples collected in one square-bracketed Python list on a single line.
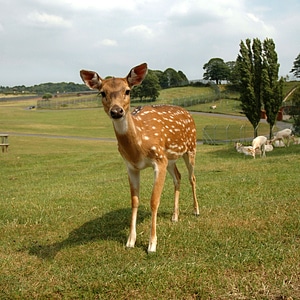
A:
[(255, 131), (271, 131)]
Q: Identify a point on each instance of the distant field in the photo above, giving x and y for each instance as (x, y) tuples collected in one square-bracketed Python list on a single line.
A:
[(10, 96), (168, 95), (89, 122), (288, 86), (227, 103), (223, 106)]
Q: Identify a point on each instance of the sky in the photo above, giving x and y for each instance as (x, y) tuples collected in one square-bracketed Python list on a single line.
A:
[(51, 41)]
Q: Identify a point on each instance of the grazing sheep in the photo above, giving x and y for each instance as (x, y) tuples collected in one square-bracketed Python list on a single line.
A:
[(260, 143), (296, 140), (268, 148), (282, 135), (279, 144), (247, 150)]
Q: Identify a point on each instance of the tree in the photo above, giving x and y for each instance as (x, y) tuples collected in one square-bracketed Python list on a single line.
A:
[(159, 75), (149, 88), (295, 109), (171, 78), (216, 69), (296, 67), (183, 79), (249, 64), (259, 86), (47, 96), (271, 87), (233, 76)]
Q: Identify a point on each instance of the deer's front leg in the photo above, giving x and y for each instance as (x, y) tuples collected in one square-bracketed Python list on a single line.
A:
[(159, 179), (134, 181)]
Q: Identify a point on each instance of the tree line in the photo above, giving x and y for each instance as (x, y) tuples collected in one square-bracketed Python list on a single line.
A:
[(43, 88), (154, 81)]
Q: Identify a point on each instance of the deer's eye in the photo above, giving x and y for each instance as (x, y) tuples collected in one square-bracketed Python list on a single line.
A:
[(127, 92), (103, 94)]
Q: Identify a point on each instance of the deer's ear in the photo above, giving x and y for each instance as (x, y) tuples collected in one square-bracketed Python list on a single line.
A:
[(91, 79), (137, 75)]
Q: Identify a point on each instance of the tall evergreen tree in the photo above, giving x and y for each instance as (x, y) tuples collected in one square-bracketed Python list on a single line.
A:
[(249, 66), (271, 86), (295, 110), (259, 86), (296, 67)]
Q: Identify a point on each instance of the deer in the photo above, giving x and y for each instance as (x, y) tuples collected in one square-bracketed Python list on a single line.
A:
[(148, 136), (259, 144), (283, 134)]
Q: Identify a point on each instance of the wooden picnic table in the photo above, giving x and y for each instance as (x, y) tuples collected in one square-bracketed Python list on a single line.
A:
[(4, 142)]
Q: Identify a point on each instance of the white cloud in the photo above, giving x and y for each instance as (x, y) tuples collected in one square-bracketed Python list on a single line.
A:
[(259, 22), (47, 20), (108, 43), (204, 11), (93, 4), (141, 29)]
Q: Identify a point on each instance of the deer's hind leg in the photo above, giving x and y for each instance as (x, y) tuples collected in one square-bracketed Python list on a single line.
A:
[(189, 159), (172, 169)]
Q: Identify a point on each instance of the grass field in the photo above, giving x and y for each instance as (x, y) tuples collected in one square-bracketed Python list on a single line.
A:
[(65, 210), (93, 123)]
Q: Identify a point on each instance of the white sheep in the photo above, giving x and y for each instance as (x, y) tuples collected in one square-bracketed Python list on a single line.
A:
[(296, 140), (259, 143), (247, 150), (282, 135), (268, 148), (279, 144)]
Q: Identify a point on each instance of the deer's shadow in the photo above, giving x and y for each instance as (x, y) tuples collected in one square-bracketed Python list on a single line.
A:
[(111, 226)]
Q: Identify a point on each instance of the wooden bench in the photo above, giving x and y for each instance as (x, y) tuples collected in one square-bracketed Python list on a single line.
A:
[(4, 142)]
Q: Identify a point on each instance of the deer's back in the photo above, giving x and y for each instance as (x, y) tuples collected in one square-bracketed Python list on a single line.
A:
[(167, 130)]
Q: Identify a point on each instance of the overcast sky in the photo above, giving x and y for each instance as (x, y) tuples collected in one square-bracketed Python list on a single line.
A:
[(51, 40)]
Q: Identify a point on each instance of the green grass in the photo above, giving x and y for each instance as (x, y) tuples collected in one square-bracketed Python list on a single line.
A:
[(168, 95), (92, 123), (224, 106), (87, 123), (65, 211), (288, 86)]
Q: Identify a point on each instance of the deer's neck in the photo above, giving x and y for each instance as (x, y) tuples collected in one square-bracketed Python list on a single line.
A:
[(129, 139)]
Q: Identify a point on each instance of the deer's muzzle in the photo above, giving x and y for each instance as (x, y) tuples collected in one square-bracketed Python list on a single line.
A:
[(116, 112)]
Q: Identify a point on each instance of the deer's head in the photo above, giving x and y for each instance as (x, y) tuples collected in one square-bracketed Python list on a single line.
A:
[(115, 92)]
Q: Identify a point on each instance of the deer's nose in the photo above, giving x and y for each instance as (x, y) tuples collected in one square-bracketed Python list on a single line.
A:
[(116, 112)]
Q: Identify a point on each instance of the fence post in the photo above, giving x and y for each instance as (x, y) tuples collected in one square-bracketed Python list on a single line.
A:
[(227, 127), (241, 128)]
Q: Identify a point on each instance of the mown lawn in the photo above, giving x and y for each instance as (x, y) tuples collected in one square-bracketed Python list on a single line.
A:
[(65, 211)]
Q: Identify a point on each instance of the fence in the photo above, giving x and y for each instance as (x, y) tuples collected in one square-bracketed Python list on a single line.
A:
[(190, 101), (217, 134), (68, 103), (60, 103)]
